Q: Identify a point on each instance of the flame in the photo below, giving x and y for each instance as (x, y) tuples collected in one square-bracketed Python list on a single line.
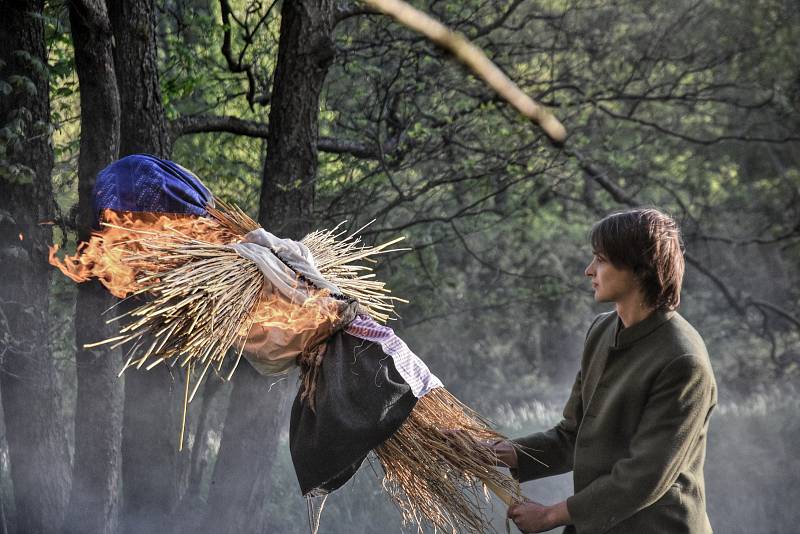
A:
[(21, 237), (276, 311), (282, 329), (109, 255), (121, 256)]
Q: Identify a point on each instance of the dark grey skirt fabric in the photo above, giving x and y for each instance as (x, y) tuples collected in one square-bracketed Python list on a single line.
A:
[(360, 401)]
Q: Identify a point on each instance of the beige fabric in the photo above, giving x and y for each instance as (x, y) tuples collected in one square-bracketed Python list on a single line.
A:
[(272, 350), (261, 247)]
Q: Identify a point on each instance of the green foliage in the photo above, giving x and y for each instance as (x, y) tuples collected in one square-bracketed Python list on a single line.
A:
[(15, 173), (64, 109), (23, 84)]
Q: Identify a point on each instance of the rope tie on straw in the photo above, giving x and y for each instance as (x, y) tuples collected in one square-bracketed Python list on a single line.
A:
[(310, 362)]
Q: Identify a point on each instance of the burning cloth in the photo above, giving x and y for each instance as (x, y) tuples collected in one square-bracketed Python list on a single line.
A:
[(215, 280)]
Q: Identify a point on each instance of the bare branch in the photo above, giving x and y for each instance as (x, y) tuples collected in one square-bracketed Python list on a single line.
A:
[(697, 140), (352, 10), (591, 170), (499, 21), (343, 146), (733, 300), (194, 124), (235, 64), (475, 59), (775, 309)]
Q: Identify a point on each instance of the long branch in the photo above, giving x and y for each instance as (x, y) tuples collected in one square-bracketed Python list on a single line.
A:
[(474, 58), (193, 124)]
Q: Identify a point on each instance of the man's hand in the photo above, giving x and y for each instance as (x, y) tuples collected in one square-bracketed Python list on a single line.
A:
[(531, 516), (504, 451)]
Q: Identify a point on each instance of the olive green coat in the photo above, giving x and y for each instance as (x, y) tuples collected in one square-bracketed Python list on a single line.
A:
[(634, 430)]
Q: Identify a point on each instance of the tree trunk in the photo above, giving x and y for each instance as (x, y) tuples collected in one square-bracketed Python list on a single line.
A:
[(198, 465), (36, 439), (150, 419), (242, 475), (144, 127), (305, 53), (98, 411)]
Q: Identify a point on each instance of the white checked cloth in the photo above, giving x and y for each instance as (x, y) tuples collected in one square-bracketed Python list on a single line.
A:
[(411, 368)]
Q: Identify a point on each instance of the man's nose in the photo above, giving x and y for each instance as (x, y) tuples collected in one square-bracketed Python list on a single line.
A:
[(589, 271)]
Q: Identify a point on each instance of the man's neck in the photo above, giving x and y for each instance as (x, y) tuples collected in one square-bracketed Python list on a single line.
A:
[(633, 309)]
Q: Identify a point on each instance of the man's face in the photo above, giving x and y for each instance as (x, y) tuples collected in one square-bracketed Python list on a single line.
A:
[(610, 284)]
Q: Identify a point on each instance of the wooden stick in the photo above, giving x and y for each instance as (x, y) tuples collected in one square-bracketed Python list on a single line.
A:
[(185, 404), (474, 58), (501, 493)]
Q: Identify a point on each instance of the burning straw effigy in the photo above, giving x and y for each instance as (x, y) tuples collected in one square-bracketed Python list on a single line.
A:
[(211, 283)]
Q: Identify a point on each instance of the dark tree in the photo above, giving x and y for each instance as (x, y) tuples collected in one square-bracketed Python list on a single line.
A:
[(144, 127), (94, 502), (305, 53), (31, 401), (150, 426), (242, 476)]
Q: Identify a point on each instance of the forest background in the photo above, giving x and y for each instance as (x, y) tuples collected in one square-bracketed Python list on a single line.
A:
[(307, 114)]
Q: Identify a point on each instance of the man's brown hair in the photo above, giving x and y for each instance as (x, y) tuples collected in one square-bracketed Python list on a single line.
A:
[(647, 242)]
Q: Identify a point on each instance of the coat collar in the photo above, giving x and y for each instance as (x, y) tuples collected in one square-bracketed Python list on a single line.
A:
[(628, 336), (625, 337)]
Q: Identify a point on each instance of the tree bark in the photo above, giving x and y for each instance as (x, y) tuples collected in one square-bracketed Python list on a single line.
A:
[(150, 418), (305, 53), (198, 465), (242, 475), (94, 501), (144, 126), (31, 402)]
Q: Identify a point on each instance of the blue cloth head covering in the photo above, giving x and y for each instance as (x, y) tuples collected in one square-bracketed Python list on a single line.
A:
[(142, 182)]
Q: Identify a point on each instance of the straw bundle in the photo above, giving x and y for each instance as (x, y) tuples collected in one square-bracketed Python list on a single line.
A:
[(205, 295), (197, 309), (441, 476), (204, 298), (335, 258)]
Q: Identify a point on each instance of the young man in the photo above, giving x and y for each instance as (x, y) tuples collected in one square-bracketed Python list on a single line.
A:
[(635, 425)]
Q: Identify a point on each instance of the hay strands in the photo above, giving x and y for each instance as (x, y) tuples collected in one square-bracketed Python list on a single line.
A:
[(196, 310), (335, 258), (441, 477)]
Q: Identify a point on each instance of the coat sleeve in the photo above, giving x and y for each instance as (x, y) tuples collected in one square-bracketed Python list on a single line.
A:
[(673, 421), (551, 452)]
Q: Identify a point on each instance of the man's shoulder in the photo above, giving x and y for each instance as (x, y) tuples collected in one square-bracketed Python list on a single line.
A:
[(601, 331), (681, 330), (683, 339), (602, 322)]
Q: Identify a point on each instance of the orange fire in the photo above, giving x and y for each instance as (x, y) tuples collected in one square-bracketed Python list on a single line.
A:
[(281, 329), (110, 254), (276, 311), (113, 256)]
